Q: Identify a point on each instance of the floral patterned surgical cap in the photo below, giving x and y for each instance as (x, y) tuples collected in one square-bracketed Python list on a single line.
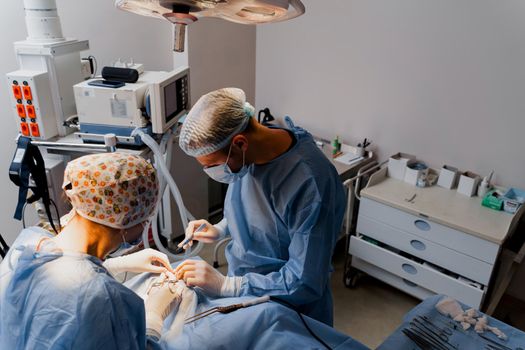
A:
[(118, 190)]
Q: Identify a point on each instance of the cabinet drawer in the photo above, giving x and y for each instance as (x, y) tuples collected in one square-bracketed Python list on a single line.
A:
[(393, 280), (447, 258), (434, 232), (414, 272)]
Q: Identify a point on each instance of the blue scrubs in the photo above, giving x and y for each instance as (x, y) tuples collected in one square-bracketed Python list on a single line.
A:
[(284, 218), (55, 300)]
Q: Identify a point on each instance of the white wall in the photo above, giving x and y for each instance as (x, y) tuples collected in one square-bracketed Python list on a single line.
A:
[(112, 34), (444, 80), (220, 54)]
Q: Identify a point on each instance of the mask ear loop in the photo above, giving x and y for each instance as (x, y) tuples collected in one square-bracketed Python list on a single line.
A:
[(229, 153), (123, 235), (124, 240)]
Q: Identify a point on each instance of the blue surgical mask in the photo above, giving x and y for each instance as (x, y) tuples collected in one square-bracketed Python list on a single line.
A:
[(223, 173), (125, 246)]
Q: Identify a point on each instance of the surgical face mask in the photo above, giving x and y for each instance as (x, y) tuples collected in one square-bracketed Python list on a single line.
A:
[(223, 173), (125, 246)]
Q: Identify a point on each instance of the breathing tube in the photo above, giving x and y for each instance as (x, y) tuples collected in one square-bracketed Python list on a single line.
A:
[(162, 160)]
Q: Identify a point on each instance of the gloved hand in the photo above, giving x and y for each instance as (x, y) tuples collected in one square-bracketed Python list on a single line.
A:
[(209, 234), (198, 273), (147, 260), (160, 302)]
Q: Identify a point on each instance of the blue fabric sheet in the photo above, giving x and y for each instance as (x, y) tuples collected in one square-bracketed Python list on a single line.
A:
[(464, 341), (265, 326), (55, 300), (51, 300)]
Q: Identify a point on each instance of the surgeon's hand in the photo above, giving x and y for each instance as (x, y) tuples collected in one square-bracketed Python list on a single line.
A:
[(147, 260), (209, 234), (198, 273), (160, 302)]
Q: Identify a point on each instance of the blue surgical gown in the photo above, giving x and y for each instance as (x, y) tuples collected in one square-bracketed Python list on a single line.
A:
[(284, 218), (55, 300)]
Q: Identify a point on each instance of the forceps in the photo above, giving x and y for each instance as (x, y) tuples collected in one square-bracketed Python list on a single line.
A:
[(160, 281), (227, 309)]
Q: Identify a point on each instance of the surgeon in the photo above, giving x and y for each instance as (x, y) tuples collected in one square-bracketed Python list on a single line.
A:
[(58, 292), (283, 210)]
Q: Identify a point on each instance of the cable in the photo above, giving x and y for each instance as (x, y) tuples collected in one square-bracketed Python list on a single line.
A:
[(95, 67), (4, 248), (290, 306), (23, 215), (58, 215), (56, 210)]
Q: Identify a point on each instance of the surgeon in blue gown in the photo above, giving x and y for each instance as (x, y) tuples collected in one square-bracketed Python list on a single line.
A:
[(283, 210), (58, 292)]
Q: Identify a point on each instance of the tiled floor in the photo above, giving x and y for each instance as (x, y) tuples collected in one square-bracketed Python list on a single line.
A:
[(368, 313)]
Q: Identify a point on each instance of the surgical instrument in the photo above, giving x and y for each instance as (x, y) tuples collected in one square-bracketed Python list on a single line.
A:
[(423, 326), (227, 309), (427, 320), (416, 339), (426, 329), (493, 343), (493, 347), (431, 337), (190, 238), (161, 281), (432, 342), (422, 340), (445, 321)]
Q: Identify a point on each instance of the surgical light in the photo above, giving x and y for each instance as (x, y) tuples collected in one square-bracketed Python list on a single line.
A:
[(184, 12)]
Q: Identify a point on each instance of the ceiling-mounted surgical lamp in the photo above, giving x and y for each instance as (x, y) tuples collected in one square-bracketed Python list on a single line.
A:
[(184, 12)]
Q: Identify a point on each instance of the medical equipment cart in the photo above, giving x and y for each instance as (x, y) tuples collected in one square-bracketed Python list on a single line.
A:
[(427, 241)]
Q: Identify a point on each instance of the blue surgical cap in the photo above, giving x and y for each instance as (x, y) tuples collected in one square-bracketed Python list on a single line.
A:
[(214, 120)]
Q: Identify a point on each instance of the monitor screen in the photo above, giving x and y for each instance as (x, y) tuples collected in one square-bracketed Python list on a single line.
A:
[(174, 98)]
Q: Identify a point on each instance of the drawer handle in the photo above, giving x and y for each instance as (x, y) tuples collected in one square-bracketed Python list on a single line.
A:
[(409, 283), (422, 225), (418, 245), (409, 269)]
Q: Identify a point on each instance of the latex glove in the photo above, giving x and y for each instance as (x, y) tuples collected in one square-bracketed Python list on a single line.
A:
[(160, 302), (198, 273), (147, 260), (209, 234)]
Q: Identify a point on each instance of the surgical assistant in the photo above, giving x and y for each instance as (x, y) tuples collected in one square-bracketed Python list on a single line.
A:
[(58, 292), (283, 210)]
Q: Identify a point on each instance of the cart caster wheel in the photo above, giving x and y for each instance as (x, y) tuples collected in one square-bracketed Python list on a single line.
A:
[(216, 264), (351, 279)]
